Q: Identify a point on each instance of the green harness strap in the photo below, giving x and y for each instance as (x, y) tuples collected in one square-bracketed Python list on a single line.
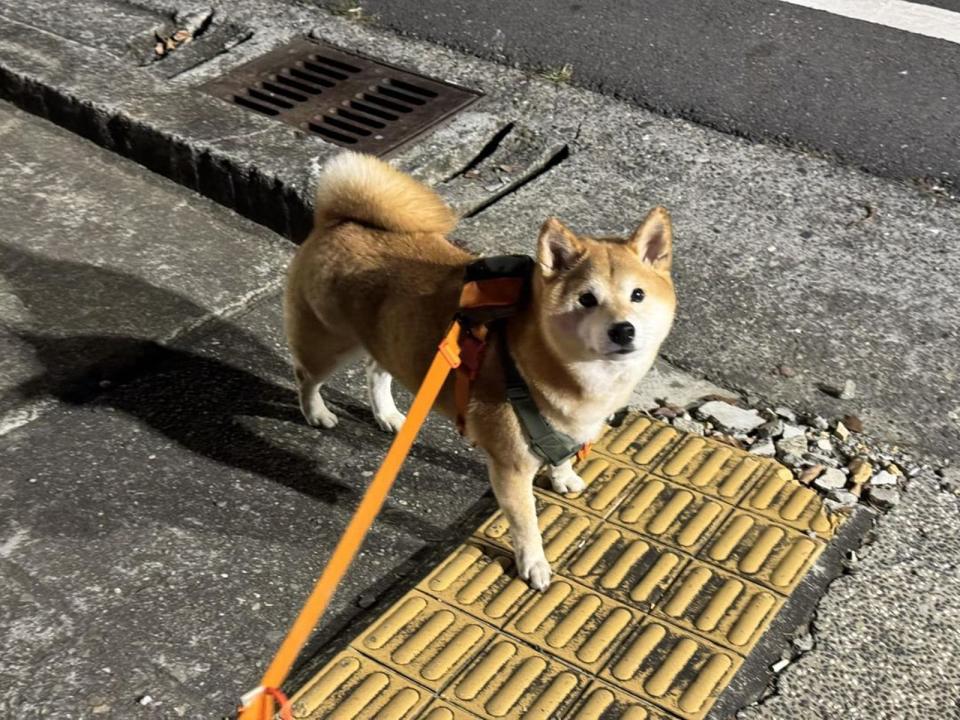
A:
[(545, 441)]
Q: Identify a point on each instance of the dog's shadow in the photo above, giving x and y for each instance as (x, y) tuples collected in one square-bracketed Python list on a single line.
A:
[(225, 410)]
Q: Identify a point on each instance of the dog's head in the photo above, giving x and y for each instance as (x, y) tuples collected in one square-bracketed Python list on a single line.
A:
[(606, 298)]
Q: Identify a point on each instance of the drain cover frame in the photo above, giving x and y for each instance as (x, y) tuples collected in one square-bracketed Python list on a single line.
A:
[(341, 96)]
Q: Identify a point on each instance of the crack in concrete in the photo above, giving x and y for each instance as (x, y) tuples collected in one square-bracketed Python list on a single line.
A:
[(552, 158), (486, 151)]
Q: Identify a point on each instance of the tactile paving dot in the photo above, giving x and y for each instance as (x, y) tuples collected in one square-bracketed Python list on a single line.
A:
[(353, 686), (713, 468), (670, 513), (638, 440), (574, 624), (626, 566), (563, 528), (480, 580), (782, 499), (607, 482), (762, 551), (724, 608), (678, 671), (603, 702), (424, 639), (512, 680)]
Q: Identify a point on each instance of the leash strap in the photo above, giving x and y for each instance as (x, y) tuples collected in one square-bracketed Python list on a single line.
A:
[(545, 441), (259, 704)]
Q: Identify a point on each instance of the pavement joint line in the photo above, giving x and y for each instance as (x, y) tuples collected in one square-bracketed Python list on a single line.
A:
[(662, 594), (235, 307)]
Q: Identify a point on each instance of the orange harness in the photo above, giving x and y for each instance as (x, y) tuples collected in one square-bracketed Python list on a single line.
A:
[(494, 288)]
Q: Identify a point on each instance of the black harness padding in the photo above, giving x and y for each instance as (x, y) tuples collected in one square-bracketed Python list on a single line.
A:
[(497, 267)]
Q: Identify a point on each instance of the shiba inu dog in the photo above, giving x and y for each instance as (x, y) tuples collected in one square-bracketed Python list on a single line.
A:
[(377, 278)]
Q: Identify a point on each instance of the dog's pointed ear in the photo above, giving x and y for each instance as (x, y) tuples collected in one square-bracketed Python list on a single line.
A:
[(653, 240), (558, 248)]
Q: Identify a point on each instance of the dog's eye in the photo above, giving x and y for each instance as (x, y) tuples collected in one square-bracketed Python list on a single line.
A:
[(588, 300), (637, 295)]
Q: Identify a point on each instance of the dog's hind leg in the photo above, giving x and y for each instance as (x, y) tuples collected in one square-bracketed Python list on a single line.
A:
[(314, 409), (385, 411), (318, 353)]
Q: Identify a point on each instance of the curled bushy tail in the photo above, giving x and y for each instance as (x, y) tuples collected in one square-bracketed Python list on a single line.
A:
[(363, 189)]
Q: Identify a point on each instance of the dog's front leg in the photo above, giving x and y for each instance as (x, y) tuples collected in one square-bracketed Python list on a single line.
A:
[(513, 488), (564, 478)]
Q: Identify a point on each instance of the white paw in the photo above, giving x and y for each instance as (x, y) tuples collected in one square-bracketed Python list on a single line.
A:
[(566, 481), (323, 418), (390, 422), (535, 570)]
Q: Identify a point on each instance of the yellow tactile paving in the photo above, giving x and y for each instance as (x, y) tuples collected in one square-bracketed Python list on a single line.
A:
[(603, 702), (608, 482), (563, 528), (671, 513), (353, 686), (426, 640), (679, 671), (639, 440), (722, 607), (762, 551), (440, 710), (712, 468), (513, 680), (479, 580), (669, 567), (574, 623), (626, 566), (780, 498)]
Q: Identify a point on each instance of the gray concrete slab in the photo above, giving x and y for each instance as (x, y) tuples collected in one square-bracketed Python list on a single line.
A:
[(197, 140), (163, 535), (888, 633), (95, 246)]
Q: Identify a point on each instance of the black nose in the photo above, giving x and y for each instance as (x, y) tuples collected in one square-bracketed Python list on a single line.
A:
[(621, 333)]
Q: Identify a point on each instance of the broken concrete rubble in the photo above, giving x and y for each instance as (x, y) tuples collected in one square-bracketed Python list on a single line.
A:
[(731, 417), (839, 463), (831, 479)]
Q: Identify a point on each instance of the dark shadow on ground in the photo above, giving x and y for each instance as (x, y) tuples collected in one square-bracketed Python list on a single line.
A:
[(209, 398)]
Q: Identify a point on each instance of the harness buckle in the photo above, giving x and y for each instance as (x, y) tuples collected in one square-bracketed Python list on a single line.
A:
[(450, 352)]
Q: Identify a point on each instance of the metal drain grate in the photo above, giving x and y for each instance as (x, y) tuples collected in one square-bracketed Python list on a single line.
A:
[(345, 98)]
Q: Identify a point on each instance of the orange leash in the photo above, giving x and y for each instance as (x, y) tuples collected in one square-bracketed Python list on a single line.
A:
[(259, 703)]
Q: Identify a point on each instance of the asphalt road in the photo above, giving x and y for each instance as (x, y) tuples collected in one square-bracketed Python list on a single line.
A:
[(872, 96)]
